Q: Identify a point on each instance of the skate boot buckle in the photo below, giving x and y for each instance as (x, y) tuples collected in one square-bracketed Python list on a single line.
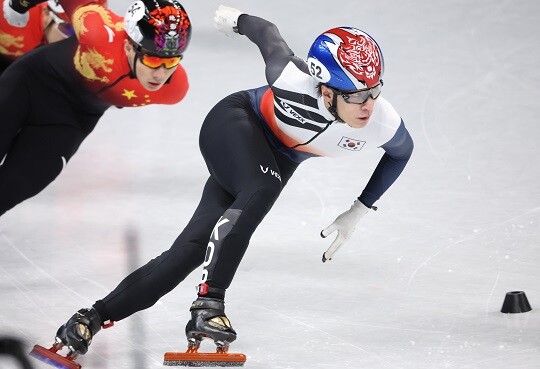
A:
[(107, 324)]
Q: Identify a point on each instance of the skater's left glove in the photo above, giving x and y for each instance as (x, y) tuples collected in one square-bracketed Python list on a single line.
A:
[(226, 20), (344, 225)]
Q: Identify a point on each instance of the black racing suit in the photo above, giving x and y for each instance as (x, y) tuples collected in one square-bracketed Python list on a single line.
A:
[(46, 112)]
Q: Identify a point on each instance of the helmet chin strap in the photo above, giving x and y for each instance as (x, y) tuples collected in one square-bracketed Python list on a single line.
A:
[(134, 70), (333, 107)]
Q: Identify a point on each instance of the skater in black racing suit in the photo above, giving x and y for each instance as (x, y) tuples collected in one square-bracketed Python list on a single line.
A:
[(252, 142), (52, 97)]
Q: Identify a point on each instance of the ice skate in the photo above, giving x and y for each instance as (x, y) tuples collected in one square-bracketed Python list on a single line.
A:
[(76, 335), (208, 320)]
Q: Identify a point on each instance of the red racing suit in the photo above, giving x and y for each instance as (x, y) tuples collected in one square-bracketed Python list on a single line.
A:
[(52, 97), (17, 41)]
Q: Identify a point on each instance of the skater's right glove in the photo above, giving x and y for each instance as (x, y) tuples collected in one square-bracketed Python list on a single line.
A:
[(226, 20), (344, 225), (14, 18)]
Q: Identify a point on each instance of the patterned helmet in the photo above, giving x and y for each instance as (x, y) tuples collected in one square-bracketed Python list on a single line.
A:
[(159, 27), (346, 59)]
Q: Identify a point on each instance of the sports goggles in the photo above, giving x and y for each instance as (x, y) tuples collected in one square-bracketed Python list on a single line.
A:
[(154, 62), (361, 96)]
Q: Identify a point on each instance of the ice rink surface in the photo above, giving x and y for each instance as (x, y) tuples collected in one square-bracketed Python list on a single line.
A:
[(420, 284)]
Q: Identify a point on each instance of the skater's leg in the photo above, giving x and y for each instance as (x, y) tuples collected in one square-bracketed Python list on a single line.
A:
[(39, 132), (232, 134), (14, 106), (145, 286), (36, 157)]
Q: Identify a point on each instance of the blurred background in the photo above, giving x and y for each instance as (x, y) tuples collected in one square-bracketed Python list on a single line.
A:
[(421, 283)]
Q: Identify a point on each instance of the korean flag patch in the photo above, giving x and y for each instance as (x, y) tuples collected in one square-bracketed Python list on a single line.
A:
[(351, 144)]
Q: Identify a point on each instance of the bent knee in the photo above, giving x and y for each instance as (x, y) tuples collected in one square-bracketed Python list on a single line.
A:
[(17, 186), (259, 199)]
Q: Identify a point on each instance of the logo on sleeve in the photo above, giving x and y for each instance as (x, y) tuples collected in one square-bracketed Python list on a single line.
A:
[(351, 144)]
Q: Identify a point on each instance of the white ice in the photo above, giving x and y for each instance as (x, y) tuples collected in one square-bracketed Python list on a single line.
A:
[(421, 283)]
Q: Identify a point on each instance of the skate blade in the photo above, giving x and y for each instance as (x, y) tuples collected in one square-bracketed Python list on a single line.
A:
[(52, 358), (199, 359)]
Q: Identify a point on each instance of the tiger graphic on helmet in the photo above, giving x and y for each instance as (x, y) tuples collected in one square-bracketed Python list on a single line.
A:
[(348, 59)]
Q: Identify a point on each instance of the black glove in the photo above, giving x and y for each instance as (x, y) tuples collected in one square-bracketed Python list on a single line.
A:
[(22, 6)]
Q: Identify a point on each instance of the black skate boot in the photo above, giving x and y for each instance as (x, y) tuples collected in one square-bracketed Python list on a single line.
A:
[(79, 330), (208, 320), (76, 335)]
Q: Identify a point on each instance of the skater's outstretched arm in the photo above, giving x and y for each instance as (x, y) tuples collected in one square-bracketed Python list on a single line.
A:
[(398, 152)]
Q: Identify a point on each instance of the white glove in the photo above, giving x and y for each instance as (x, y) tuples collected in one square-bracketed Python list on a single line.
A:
[(12, 17), (344, 224), (226, 20)]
